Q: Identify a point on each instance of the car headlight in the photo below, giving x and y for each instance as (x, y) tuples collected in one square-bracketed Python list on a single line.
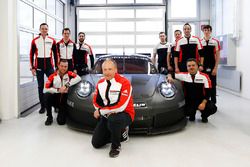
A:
[(84, 89), (167, 90)]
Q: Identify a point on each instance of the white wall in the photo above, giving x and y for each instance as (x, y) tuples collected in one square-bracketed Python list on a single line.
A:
[(8, 60), (243, 53), (226, 19)]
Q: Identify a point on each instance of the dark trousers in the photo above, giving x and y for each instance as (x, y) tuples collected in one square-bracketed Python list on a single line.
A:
[(59, 101), (192, 106), (213, 90), (82, 70), (109, 129), (40, 81)]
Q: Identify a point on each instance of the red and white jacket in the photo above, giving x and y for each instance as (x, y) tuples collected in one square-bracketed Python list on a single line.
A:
[(55, 82), (42, 49), (210, 47), (196, 87), (114, 95), (188, 47), (65, 51)]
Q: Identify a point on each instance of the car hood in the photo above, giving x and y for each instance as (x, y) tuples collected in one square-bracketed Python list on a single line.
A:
[(144, 85)]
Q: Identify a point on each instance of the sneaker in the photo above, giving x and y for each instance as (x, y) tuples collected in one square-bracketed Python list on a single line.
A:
[(114, 152), (42, 110), (124, 136), (204, 120), (192, 118), (49, 121)]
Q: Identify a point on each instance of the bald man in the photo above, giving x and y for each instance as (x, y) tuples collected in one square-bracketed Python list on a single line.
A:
[(114, 108)]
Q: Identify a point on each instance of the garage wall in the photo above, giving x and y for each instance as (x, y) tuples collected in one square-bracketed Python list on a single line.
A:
[(8, 60), (243, 54), (232, 17)]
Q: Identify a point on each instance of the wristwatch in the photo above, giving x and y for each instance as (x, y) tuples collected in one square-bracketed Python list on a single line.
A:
[(67, 85)]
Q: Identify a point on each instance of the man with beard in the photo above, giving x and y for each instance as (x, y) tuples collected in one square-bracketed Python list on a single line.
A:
[(81, 52)]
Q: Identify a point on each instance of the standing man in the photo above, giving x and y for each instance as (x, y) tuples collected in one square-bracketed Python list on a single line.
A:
[(197, 87), (187, 47), (114, 108), (65, 48), (42, 53), (161, 49), (80, 56), (56, 92), (170, 57), (211, 58)]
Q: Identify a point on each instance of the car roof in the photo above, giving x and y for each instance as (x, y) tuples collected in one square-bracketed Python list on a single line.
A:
[(117, 56)]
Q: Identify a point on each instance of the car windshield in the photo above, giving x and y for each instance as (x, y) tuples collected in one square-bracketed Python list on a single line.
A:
[(129, 65)]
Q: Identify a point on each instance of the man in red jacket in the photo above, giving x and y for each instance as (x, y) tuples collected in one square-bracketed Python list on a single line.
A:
[(56, 92), (43, 59), (114, 108)]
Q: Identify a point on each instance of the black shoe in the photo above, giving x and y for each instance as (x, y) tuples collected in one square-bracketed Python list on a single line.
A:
[(49, 121), (125, 137), (42, 110), (192, 118), (204, 120), (114, 152), (61, 120)]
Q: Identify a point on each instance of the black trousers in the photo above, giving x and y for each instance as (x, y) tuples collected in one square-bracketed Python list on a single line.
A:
[(82, 70), (109, 129), (192, 106), (213, 90), (40, 81), (57, 100)]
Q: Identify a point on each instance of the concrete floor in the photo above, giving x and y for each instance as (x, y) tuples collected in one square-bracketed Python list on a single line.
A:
[(223, 142)]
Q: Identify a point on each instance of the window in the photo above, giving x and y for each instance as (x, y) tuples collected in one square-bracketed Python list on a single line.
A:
[(156, 26), (183, 8), (182, 11), (88, 14), (95, 39), (86, 2), (25, 74), (51, 5), (121, 13), (40, 3), (119, 1), (52, 25), (150, 13), (121, 40), (25, 16), (39, 18), (121, 26), (149, 1), (147, 39), (31, 15), (122, 29), (59, 9), (92, 26)]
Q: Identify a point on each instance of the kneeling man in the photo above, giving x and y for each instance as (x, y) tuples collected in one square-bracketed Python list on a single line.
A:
[(114, 108)]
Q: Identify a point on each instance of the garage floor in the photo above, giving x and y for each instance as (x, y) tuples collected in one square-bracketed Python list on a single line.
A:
[(223, 142)]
